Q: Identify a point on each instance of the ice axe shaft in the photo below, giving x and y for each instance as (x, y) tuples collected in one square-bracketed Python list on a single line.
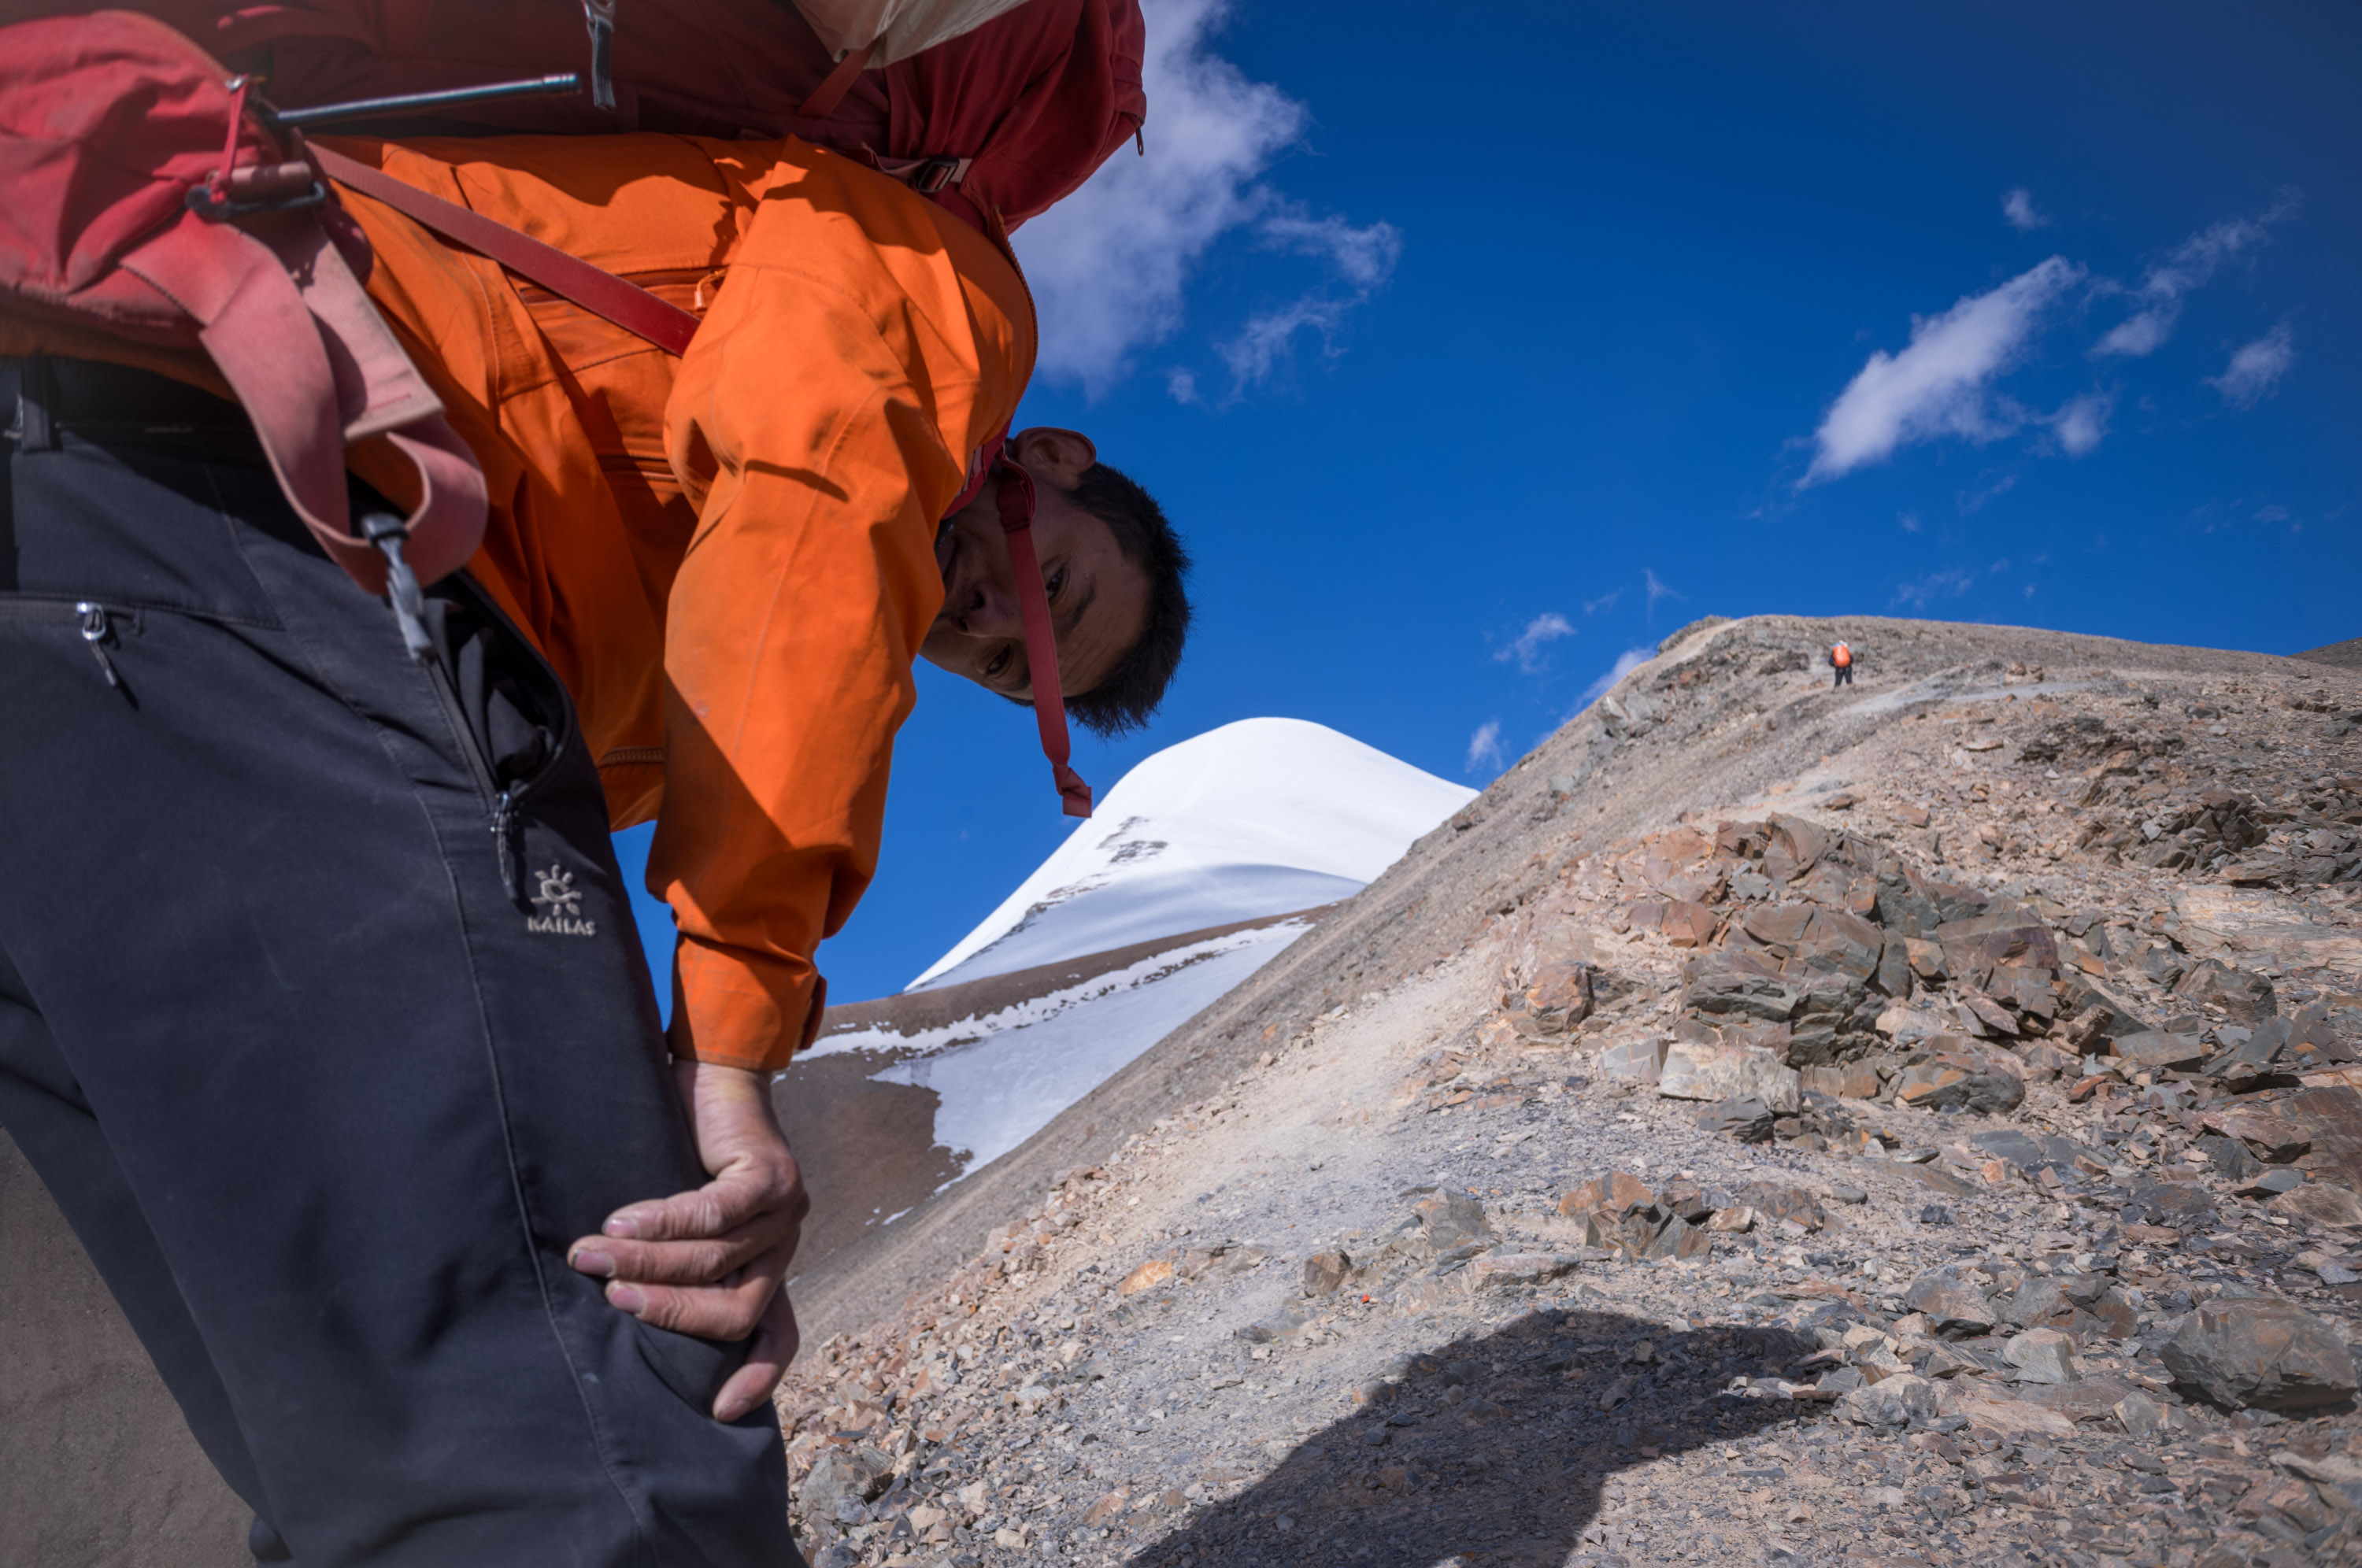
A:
[(408, 103)]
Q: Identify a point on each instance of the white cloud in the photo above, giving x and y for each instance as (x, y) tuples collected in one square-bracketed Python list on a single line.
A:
[(2256, 368), (1484, 747), (1182, 382), (1363, 256), (2195, 260), (2082, 423), (1110, 264), (1950, 583), (2189, 265), (1944, 382), (1657, 590), (1605, 602), (1265, 340), (2141, 335), (1973, 501), (1626, 663), (1541, 631), (1909, 521), (1937, 386)]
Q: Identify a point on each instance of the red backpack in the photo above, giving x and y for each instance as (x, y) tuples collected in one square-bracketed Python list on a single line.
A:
[(1003, 119), (146, 189), (141, 199)]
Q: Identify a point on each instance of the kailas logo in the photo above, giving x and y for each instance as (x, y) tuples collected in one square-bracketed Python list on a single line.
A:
[(561, 905)]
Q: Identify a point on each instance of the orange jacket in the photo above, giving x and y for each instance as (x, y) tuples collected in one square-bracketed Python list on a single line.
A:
[(728, 557)]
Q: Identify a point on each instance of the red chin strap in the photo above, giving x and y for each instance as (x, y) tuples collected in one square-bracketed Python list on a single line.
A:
[(1015, 490)]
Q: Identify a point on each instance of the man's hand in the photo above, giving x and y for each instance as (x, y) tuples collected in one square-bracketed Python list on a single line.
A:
[(709, 1263)]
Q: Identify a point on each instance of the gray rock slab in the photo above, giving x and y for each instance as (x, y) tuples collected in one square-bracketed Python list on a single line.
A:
[(1730, 1071), (2268, 1354)]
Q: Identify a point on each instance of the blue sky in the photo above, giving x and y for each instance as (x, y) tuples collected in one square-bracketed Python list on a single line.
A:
[(1469, 364)]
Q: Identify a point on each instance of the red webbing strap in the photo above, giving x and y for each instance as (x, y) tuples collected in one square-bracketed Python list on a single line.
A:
[(838, 82), (1015, 498), (980, 472), (626, 304), (637, 311)]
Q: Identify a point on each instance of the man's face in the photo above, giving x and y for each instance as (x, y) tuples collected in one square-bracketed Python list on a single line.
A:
[(1098, 600)]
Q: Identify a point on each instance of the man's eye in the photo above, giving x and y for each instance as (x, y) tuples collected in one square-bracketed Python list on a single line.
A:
[(999, 664), (1058, 581)]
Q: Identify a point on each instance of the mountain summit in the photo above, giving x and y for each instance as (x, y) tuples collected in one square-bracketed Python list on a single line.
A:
[(1258, 818)]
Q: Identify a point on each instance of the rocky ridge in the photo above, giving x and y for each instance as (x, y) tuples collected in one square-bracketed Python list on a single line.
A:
[(1914, 1123)]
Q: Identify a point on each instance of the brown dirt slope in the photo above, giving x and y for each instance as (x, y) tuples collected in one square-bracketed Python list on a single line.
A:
[(2020, 989), (97, 1469), (2347, 654), (1724, 710), (867, 1146)]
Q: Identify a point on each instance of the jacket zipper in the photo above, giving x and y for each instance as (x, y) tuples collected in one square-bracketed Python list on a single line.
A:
[(675, 286), (96, 623), (501, 802)]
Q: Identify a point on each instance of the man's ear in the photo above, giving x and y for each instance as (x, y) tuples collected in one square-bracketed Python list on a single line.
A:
[(1062, 456)]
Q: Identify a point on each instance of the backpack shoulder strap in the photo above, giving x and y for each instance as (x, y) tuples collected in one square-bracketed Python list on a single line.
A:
[(625, 303), (147, 200)]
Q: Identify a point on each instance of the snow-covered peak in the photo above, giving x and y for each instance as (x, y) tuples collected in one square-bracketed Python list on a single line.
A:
[(1257, 818)]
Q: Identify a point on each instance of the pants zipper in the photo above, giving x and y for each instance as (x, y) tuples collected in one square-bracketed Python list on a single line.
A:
[(421, 622), (503, 802), (98, 624), (96, 632)]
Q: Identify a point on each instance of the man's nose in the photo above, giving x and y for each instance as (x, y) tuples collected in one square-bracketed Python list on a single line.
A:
[(991, 611)]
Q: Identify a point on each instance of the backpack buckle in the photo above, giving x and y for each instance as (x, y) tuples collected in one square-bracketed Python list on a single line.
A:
[(258, 188), (933, 173)]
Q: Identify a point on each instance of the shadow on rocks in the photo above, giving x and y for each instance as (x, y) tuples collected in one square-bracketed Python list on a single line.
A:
[(1492, 1450)]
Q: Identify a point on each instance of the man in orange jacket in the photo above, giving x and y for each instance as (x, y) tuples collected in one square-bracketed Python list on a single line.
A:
[(441, 1258)]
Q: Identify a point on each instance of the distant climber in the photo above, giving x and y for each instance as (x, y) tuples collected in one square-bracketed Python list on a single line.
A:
[(1841, 661)]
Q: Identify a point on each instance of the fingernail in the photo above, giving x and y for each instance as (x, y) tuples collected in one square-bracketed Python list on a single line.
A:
[(626, 1299), (730, 1410), (622, 1228), (590, 1262)]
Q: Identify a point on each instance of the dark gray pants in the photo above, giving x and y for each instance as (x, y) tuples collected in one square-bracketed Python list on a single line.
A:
[(324, 1099)]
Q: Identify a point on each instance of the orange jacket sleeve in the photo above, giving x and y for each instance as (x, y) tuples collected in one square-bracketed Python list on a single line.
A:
[(863, 344)]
